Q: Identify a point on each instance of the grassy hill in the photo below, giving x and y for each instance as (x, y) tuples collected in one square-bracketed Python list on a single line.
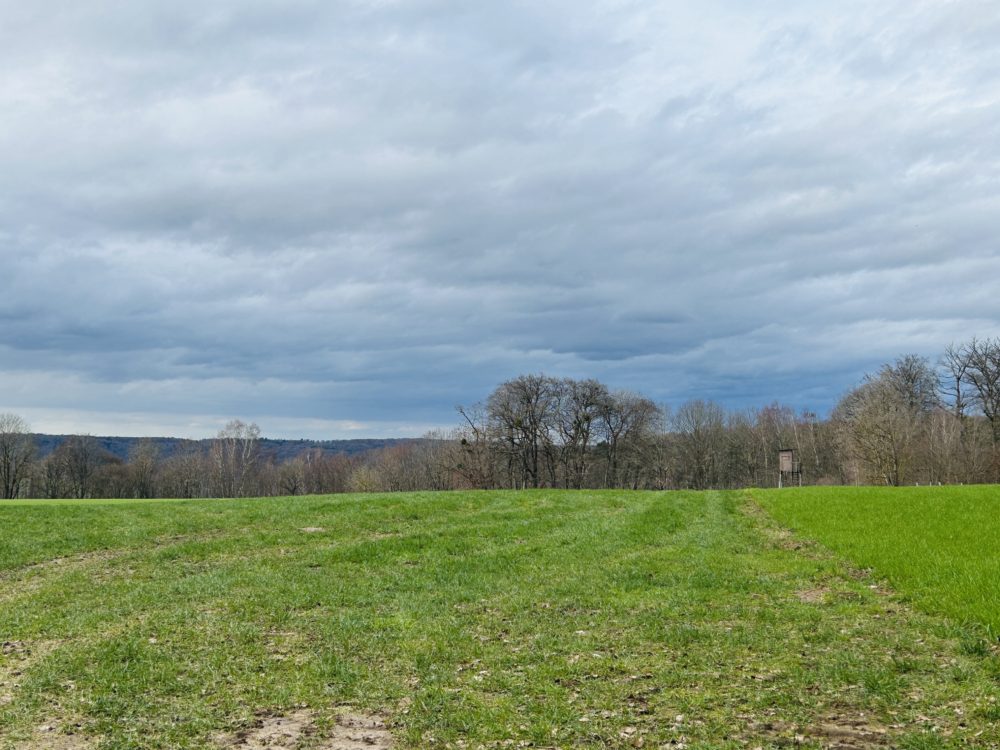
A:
[(465, 620)]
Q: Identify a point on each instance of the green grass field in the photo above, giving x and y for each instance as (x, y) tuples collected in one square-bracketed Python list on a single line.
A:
[(939, 546), (467, 620)]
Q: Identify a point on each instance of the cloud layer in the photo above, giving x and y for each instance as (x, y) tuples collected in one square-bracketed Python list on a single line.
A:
[(344, 217)]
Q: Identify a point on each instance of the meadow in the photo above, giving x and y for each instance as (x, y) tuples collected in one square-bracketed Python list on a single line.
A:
[(938, 546), (471, 619)]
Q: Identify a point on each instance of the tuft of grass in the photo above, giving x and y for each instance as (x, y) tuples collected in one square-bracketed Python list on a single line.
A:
[(466, 619)]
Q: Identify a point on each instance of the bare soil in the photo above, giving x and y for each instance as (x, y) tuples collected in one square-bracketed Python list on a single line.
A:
[(355, 731), (51, 737), (351, 731), (837, 731), (813, 596)]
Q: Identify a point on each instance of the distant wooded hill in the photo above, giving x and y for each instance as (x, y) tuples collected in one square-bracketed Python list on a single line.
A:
[(278, 450)]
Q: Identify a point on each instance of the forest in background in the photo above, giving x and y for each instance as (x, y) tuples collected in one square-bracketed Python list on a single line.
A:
[(911, 422)]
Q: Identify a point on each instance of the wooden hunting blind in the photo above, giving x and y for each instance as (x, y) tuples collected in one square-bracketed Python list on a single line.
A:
[(788, 466)]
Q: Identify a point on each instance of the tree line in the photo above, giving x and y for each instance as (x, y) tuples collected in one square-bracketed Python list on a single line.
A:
[(912, 421)]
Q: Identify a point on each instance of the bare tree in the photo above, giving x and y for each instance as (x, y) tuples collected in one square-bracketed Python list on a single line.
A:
[(746, 457), (954, 365), (435, 454), (187, 473), (474, 459), (945, 454), (142, 468), (582, 406), (17, 452), (112, 478), (521, 411), (291, 477), (982, 373), (366, 478), (817, 441), (326, 473), (234, 454), (880, 428), (700, 437), (78, 459), (626, 419), (914, 381)]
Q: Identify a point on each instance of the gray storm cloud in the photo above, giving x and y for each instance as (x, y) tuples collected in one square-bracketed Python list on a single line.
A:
[(343, 217)]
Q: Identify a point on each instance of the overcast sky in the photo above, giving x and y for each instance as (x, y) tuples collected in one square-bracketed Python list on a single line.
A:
[(341, 219)]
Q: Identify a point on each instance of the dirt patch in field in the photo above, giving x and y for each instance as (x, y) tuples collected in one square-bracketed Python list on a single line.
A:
[(98, 555), (813, 596), (846, 732), (777, 536), (49, 738), (350, 731), (312, 529), (15, 659), (355, 731), (288, 645), (835, 731), (274, 732), (17, 649)]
